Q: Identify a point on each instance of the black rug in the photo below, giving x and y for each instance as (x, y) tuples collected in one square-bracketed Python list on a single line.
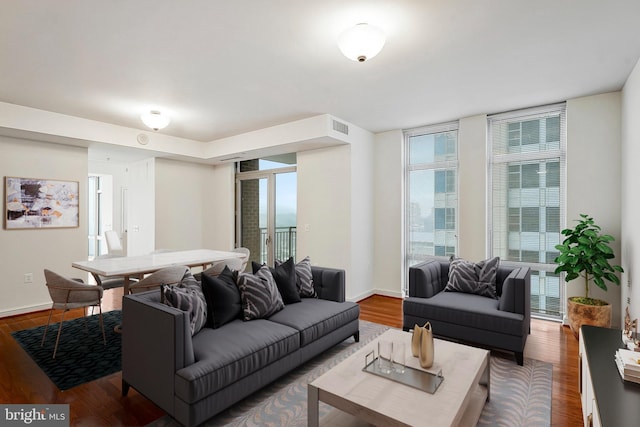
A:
[(82, 355)]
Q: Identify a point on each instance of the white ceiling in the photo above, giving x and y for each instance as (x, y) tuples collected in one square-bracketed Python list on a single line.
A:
[(221, 68)]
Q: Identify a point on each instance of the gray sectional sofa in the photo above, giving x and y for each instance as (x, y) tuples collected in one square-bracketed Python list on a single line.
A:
[(194, 378), (502, 323)]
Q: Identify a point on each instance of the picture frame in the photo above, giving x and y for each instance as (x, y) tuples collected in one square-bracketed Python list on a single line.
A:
[(33, 203)]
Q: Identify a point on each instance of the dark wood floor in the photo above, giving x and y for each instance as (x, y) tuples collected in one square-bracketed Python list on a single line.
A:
[(100, 403)]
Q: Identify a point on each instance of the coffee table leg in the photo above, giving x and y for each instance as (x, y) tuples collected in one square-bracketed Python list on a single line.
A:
[(313, 413)]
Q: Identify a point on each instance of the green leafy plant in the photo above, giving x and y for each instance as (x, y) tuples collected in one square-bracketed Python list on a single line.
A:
[(586, 253)]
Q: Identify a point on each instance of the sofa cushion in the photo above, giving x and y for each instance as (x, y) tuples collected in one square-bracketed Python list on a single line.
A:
[(223, 298), (315, 318), (228, 354), (478, 278), (464, 309), (187, 296), (259, 293)]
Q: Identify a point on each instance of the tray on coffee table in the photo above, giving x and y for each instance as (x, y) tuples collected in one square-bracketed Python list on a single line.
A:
[(416, 378)]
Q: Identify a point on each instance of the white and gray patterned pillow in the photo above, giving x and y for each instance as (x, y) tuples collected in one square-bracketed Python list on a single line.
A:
[(187, 296), (304, 279), (259, 293), (470, 278)]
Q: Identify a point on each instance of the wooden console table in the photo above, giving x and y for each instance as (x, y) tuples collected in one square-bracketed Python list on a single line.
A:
[(607, 400)]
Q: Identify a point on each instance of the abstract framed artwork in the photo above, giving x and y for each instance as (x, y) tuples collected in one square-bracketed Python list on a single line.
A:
[(40, 203)]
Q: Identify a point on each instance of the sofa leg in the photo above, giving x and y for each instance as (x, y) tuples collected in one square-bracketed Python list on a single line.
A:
[(356, 336), (519, 357), (125, 388), (404, 328)]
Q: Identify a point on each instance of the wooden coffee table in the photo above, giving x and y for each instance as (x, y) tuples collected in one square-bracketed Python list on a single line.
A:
[(363, 398)]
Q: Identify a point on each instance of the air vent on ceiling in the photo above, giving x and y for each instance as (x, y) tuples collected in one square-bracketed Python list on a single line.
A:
[(227, 159), (340, 127)]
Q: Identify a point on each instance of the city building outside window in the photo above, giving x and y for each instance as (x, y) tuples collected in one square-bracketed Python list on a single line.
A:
[(431, 192), (527, 197)]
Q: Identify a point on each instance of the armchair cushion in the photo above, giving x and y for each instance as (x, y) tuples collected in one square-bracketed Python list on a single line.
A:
[(470, 278)]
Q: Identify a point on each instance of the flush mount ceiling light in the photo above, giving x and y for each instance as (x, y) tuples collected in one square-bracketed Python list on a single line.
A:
[(155, 120), (361, 42)]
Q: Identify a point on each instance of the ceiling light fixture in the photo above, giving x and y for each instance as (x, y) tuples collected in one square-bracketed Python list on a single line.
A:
[(361, 42), (155, 120)]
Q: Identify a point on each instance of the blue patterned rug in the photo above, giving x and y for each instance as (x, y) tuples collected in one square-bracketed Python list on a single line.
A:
[(82, 355), (520, 395)]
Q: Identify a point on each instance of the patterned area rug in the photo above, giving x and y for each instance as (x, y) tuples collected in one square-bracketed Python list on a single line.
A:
[(520, 395), (82, 355)]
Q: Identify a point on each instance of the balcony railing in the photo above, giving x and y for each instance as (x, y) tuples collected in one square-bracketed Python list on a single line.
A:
[(284, 244)]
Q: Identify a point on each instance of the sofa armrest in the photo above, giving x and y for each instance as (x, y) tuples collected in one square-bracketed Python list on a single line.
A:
[(156, 342), (329, 283), (516, 292), (426, 278)]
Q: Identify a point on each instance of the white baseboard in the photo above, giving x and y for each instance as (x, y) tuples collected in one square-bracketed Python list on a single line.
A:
[(24, 310), (375, 292)]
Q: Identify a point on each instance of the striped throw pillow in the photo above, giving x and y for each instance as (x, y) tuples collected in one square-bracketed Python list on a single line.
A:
[(470, 278), (259, 293)]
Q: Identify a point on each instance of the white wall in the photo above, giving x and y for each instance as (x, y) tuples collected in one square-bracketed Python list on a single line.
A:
[(630, 228), (336, 210), (31, 251), (324, 207), (388, 181), (194, 206), (362, 214), (472, 187), (140, 229), (593, 176)]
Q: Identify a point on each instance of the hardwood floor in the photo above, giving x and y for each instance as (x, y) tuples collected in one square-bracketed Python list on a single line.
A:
[(100, 403)]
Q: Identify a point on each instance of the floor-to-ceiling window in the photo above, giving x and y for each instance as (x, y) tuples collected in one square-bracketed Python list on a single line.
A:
[(266, 208), (527, 202), (431, 192)]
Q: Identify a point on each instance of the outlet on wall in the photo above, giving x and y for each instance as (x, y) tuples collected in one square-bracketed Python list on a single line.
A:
[(28, 278)]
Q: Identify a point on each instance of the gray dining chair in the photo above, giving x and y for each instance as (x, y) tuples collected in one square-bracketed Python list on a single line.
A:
[(166, 276), (67, 294)]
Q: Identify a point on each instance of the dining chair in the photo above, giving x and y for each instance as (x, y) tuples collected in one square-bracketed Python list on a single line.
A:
[(112, 281), (234, 264), (114, 246), (245, 259), (67, 294), (166, 276)]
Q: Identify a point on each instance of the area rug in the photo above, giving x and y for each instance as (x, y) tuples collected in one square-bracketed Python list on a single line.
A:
[(520, 395), (82, 355)]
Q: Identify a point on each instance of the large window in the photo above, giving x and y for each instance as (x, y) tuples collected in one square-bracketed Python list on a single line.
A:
[(432, 192), (527, 165)]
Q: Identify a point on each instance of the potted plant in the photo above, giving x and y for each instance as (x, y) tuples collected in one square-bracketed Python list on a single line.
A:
[(585, 252)]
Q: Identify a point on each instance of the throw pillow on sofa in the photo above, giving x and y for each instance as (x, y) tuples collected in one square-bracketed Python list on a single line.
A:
[(304, 278), (259, 293), (224, 303), (187, 296), (284, 275), (478, 278)]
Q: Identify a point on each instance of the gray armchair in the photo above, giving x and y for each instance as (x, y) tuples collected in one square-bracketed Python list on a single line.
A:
[(502, 323)]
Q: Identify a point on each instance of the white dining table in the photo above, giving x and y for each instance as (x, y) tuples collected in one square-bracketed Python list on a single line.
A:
[(139, 265)]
